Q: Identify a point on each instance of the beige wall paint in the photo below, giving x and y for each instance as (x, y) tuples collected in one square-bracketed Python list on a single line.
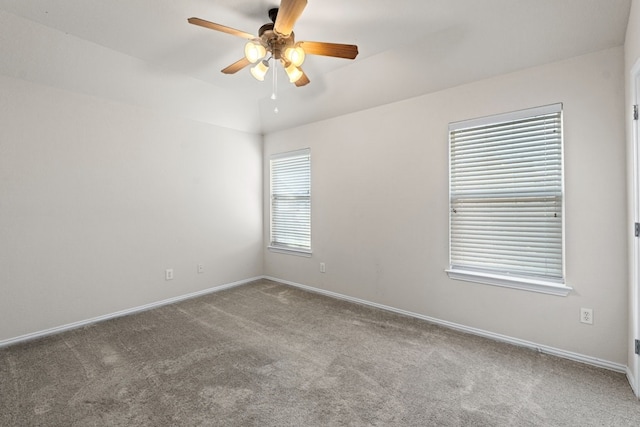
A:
[(98, 198), (632, 39), (632, 56), (380, 216), (43, 55)]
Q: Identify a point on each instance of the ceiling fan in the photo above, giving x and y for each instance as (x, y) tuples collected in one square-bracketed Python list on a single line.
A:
[(276, 41)]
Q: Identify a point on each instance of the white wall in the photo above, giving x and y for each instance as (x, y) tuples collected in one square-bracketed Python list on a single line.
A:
[(98, 198), (632, 39), (632, 56), (111, 171), (380, 215), (33, 52)]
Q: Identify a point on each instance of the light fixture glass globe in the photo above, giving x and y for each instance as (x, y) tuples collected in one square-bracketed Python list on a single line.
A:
[(254, 51), (295, 55), (293, 72), (260, 70)]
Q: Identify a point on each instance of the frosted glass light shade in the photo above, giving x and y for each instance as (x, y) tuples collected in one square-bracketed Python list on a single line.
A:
[(254, 51), (293, 72), (260, 70), (295, 55)]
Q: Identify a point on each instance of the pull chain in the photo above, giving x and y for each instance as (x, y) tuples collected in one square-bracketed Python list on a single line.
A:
[(274, 95)]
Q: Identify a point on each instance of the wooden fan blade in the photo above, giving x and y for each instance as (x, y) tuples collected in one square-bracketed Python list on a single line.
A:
[(347, 51), (236, 66), (302, 81), (288, 14), (218, 27)]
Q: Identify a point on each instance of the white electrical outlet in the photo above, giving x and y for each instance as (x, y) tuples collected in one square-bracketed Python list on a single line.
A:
[(586, 315), (323, 268), (200, 268), (168, 274)]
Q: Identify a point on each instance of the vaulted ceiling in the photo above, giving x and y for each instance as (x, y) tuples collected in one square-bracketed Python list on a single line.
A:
[(144, 52)]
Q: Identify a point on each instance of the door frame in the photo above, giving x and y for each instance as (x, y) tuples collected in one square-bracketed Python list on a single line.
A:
[(634, 375)]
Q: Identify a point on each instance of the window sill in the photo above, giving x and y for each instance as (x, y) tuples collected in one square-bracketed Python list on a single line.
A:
[(289, 251), (521, 283)]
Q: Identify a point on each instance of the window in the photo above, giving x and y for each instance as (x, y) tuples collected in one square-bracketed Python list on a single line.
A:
[(506, 200), (291, 202)]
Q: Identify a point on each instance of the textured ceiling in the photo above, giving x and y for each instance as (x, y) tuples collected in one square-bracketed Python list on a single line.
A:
[(407, 47)]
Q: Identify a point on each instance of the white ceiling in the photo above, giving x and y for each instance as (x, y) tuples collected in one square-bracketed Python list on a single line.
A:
[(407, 47)]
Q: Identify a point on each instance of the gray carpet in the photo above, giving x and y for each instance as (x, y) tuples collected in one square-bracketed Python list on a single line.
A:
[(266, 354)]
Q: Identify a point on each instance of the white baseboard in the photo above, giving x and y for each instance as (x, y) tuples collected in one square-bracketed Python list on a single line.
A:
[(498, 337), (75, 325), (632, 383)]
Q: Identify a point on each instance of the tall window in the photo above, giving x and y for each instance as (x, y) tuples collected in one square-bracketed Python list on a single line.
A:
[(291, 202), (506, 200)]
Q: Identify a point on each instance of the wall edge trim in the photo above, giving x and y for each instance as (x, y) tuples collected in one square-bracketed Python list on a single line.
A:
[(121, 313), (577, 357), (589, 360)]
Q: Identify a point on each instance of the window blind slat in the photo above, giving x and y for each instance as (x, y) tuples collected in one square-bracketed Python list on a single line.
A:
[(291, 200), (506, 195)]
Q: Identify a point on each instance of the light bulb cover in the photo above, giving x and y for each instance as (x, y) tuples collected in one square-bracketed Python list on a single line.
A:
[(293, 72), (260, 70), (295, 55), (254, 51)]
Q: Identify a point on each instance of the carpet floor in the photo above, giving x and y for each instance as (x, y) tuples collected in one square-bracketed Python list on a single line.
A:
[(266, 354)]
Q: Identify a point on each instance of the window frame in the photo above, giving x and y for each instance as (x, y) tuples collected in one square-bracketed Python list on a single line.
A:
[(502, 276), (280, 247)]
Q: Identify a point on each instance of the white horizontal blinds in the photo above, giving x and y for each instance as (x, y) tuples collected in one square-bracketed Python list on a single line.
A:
[(291, 200), (506, 194)]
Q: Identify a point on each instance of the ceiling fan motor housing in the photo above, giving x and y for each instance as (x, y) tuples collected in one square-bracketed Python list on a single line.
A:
[(274, 42)]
